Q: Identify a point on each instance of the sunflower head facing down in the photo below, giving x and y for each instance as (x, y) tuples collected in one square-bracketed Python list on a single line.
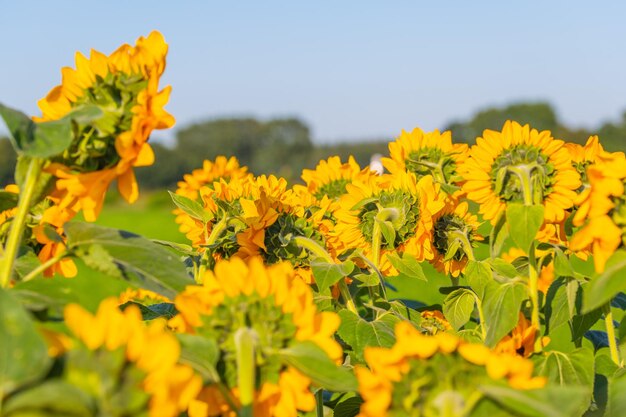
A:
[(407, 377), (124, 86), (279, 310), (427, 153), (405, 205), (520, 165), (116, 357)]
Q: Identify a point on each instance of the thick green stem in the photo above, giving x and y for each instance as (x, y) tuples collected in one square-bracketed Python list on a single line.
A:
[(17, 224), (216, 232), (41, 268), (347, 297), (524, 174), (610, 332), (246, 369), (319, 403), (533, 293)]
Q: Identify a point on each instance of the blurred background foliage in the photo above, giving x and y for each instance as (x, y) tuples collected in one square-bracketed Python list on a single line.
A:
[(284, 146)]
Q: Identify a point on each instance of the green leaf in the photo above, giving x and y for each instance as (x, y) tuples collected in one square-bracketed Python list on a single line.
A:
[(24, 354), (606, 285), (568, 369), (191, 207), (125, 254), (407, 265), (557, 310), (562, 265), (312, 361), (154, 311), (8, 200), (545, 402), (616, 405), (348, 408), (458, 307), (52, 398), (498, 235), (524, 223), (54, 294), (360, 333), (478, 276), (45, 139), (327, 274), (583, 322), (201, 353), (501, 307), (179, 247), (502, 267)]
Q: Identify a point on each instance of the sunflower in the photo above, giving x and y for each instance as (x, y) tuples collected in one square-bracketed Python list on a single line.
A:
[(408, 206), (279, 309), (427, 153), (521, 165), (330, 177), (454, 237), (602, 210), (408, 376), (583, 156), (521, 340), (124, 86), (118, 354)]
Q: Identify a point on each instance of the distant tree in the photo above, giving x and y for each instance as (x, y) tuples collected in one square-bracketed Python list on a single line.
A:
[(8, 159), (613, 135)]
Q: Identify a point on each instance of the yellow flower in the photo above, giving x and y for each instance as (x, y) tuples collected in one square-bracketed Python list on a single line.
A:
[(521, 340), (330, 177), (407, 376), (602, 209), (125, 86), (411, 205), (279, 309), (455, 229), (8, 214), (151, 348), (142, 296), (434, 322), (520, 164), (427, 153)]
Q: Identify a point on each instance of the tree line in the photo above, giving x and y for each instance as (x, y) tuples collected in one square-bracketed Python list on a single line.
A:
[(284, 146)]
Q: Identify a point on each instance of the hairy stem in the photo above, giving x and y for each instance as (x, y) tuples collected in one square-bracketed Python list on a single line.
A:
[(610, 332)]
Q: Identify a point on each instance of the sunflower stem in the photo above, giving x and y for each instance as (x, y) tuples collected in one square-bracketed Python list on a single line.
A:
[(41, 268), (481, 317), (533, 293), (216, 232), (17, 225), (319, 403), (524, 174), (246, 369), (610, 332)]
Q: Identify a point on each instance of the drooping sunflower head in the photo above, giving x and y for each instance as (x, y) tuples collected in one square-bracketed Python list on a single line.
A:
[(277, 308), (124, 86), (330, 177), (521, 165), (397, 207), (454, 237), (117, 357), (427, 153), (408, 376), (602, 210), (583, 156), (211, 171)]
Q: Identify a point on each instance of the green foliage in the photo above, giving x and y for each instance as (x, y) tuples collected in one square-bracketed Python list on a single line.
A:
[(24, 354), (124, 254), (608, 284), (524, 223), (546, 402), (311, 360), (501, 306), (458, 307), (360, 333)]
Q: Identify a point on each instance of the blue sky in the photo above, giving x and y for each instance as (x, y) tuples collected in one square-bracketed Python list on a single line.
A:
[(350, 69)]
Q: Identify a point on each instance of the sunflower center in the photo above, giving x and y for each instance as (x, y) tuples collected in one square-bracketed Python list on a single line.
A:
[(273, 328), (279, 242), (94, 148), (431, 161), (333, 189), (522, 174), (452, 237), (404, 222)]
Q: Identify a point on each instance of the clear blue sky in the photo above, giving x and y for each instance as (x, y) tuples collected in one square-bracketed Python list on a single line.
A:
[(350, 69)]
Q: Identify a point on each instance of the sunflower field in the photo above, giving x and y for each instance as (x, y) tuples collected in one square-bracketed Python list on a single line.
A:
[(463, 281)]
